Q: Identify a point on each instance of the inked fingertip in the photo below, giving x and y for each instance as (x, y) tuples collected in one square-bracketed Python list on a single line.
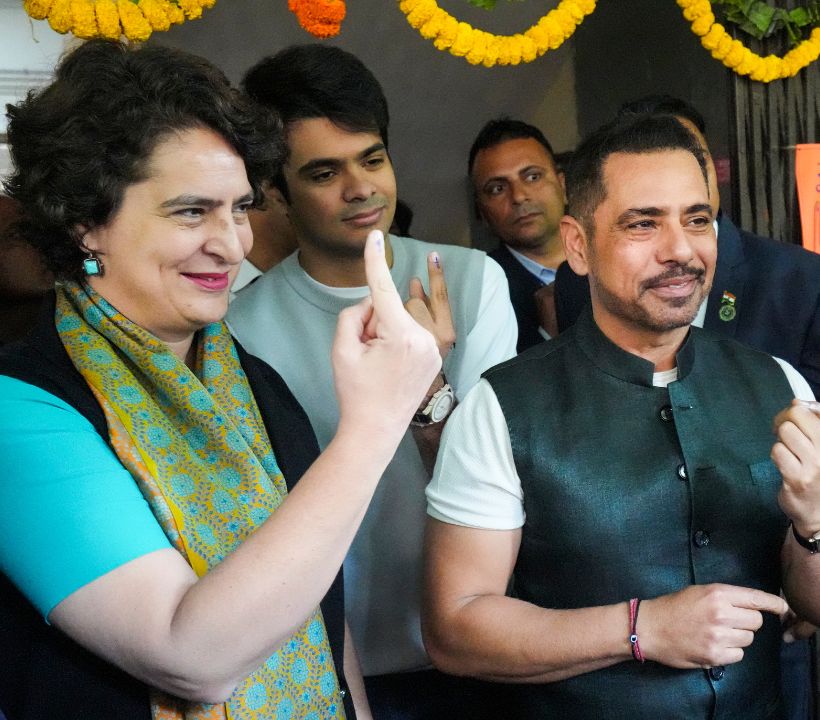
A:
[(436, 260), (377, 238)]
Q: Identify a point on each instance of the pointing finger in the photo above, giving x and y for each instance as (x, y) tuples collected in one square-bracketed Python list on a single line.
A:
[(386, 301), (762, 601)]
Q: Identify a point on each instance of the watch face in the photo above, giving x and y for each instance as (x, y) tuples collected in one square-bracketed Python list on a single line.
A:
[(441, 408)]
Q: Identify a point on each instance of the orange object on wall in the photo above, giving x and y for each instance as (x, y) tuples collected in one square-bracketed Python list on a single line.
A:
[(807, 170)]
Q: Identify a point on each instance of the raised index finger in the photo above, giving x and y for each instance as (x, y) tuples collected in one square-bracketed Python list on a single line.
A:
[(386, 300)]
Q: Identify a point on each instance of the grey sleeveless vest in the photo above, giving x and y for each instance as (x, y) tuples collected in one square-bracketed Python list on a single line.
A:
[(632, 490)]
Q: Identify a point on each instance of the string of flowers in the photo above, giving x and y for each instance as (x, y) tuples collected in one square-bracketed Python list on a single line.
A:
[(736, 56), (321, 18), (483, 48), (135, 19)]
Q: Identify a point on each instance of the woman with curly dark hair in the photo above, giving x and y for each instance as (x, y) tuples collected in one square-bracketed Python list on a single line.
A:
[(147, 462)]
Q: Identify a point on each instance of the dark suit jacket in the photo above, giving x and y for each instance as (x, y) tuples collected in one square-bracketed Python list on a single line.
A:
[(522, 286), (777, 291)]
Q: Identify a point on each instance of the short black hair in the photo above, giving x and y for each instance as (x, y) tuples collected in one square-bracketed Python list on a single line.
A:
[(638, 134), (78, 143), (502, 129), (663, 105), (319, 81)]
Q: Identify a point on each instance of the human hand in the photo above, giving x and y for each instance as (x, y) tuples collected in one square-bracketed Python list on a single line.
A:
[(544, 299), (796, 629), (797, 455), (703, 625), (433, 312), (383, 361)]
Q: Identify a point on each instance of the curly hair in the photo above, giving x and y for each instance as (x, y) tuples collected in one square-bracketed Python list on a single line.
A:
[(77, 144)]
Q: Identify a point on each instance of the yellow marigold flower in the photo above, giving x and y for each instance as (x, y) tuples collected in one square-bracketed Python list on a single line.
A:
[(725, 45), (155, 14), (191, 8), (574, 10), (479, 48), (491, 55), (748, 63), (449, 29), (556, 39), (84, 21), (172, 11), (420, 14), (108, 19), (134, 25), (735, 56), (539, 35), (703, 24), (515, 50), (712, 38), (464, 40), (60, 17), (528, 50), (38, 9)]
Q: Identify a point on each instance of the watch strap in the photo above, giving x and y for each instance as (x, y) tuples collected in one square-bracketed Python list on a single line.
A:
[(812, 544)]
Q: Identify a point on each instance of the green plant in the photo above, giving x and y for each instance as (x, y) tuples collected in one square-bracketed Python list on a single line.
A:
[(762, 19)]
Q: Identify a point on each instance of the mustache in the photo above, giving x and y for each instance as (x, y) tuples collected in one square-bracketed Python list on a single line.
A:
[(374, 202), (678, 271), (527, 209)]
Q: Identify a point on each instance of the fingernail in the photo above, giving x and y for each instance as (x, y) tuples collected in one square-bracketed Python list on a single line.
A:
[(378, 239), (436, 260)]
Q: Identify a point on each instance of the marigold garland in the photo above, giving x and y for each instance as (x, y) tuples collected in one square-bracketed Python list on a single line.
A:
[(736, 56), (483, 48), (136, 19), (321, 18)]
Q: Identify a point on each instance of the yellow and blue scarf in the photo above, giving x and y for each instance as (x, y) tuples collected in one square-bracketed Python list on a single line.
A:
[(196, 446)]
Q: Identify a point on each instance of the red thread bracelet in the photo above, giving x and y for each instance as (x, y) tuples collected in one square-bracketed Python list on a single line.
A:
[(634, 606)]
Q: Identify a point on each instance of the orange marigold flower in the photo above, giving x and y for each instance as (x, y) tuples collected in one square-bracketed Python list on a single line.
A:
[(321, 18)]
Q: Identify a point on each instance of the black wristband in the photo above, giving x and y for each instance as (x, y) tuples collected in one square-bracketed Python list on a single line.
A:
[(811, 544)]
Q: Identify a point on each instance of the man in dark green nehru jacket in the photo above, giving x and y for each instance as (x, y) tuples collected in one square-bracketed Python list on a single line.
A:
[(627, 477)]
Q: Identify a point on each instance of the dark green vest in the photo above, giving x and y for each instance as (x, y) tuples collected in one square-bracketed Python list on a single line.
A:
[(632, 490)]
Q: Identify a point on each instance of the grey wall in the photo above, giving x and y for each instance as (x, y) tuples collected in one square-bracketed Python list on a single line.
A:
[(630, 48), (438, 102)]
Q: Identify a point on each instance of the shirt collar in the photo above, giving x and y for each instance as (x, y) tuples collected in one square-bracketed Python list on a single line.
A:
[(544, 274), (617, 362)]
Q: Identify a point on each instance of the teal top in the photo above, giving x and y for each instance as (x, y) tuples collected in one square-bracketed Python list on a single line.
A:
[(71, 511)]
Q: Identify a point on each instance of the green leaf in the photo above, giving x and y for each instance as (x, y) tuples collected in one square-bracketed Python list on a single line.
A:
[(800, 17), (485, 4), (761, 15)]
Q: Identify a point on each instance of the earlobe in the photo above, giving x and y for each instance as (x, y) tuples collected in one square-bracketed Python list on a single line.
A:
[(88, 240), (574, 239)]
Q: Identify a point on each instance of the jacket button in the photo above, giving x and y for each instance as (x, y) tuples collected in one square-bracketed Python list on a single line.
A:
[(682, 471), (342, 693), (701, 538), (717, 672), (666, 413)]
